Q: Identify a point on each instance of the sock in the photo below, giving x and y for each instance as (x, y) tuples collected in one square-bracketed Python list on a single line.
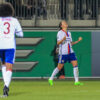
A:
[(76, 73), (8, 78), (3, 72), (56, 70)]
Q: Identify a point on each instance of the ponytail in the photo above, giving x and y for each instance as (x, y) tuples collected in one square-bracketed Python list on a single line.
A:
[(60, 28)]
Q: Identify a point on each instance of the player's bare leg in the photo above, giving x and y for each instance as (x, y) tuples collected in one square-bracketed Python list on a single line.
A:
[(55, 71), (76, 72), (7, 74)]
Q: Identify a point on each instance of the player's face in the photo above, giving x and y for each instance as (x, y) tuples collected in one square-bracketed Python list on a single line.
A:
[(64, 24)]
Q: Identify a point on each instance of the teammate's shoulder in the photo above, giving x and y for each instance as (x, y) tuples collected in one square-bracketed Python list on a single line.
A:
[(6, 18), (13, 18), (0, 18)]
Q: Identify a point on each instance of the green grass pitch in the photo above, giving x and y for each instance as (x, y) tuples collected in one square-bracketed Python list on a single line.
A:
[(62, 90)]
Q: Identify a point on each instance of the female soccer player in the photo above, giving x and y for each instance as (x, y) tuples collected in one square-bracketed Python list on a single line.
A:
[(66, 53), (9, 26)]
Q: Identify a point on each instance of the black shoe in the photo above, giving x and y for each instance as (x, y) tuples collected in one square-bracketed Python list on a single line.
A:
[(5, 91)]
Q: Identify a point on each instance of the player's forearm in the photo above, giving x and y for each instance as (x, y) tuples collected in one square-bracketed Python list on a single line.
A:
[(79, 39), (60, 42), (73, 43)]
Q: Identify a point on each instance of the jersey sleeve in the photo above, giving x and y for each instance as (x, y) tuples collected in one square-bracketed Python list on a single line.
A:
[(60, 36), (18, 29)]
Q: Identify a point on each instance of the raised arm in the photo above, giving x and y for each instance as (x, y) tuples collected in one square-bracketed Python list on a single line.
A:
[(79, 39)]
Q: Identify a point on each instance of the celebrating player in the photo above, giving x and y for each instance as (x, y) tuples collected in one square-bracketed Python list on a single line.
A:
[(66, 53), (9, 26)]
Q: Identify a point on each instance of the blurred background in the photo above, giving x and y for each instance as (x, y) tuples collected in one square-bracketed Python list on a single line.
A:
[(48, 13), (40, 20)]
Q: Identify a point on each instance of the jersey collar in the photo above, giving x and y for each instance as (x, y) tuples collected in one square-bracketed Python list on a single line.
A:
[(66, 33)]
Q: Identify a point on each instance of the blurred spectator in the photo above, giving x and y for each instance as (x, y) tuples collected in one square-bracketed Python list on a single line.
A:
[(83, 8), (44, 8), (90, 8), (93, 9), (63, 8), (41, 8), (12, 2), (78, 9), (31, 8), (99, 7), (18, 7)]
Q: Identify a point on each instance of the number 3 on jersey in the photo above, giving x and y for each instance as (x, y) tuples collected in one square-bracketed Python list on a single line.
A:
[(7, 25)]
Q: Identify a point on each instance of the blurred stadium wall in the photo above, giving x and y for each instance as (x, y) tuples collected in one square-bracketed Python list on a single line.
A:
[(45, 13), (40, 19), (34, 54)]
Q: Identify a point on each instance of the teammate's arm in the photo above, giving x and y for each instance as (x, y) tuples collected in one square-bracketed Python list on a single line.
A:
[(79, 39), (19, 31)]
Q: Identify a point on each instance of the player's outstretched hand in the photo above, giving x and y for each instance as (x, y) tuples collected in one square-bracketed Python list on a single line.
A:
[(80, 39)]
